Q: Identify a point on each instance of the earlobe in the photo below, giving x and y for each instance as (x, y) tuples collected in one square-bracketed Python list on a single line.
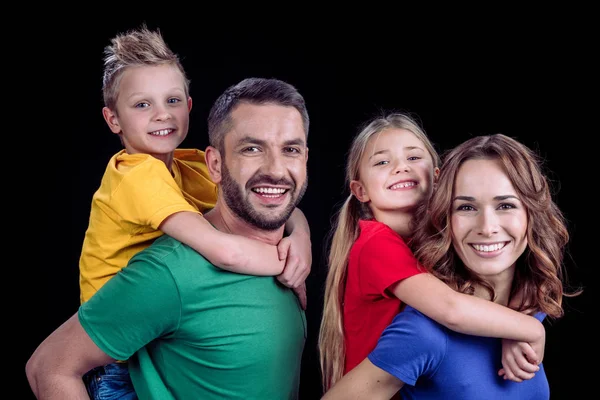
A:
[(111, 119), (359, 191), (213, 162)]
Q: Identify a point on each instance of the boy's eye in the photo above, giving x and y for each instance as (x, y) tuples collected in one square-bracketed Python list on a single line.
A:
[(173, 100), (142, 105), (413, 158)]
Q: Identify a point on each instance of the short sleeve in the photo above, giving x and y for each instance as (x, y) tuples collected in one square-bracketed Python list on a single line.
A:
[(384, 260), (410, 347), (123, 316), (147, 194)]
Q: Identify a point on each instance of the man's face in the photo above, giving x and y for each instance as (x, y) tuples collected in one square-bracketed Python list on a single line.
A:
[(264, 164)]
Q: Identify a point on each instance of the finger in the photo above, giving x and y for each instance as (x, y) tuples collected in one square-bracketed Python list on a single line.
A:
[(283, 248), (301, 293), (530, 353)]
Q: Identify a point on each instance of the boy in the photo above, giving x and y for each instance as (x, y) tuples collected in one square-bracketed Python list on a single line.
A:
[(152, 187)]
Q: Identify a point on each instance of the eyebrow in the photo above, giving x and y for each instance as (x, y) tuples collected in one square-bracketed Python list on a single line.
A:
[(144, 94), (249, 139), (497, 198), (408, 148)]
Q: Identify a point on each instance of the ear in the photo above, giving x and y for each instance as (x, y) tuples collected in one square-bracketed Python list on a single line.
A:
[(213, 162), (358, 190), (306, 156), (436, 177), (189, 104), (112, 120)]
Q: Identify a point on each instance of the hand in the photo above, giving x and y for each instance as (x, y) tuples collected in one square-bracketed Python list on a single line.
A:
[(296, 250), (519, 361)]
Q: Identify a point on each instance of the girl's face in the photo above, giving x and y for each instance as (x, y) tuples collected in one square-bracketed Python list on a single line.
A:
[(489, 221), (396, 173)]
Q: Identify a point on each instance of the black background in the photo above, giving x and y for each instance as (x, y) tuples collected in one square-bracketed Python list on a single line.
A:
[(531, 76)]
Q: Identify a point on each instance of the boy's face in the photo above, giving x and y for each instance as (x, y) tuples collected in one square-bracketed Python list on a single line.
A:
[(152, 110)]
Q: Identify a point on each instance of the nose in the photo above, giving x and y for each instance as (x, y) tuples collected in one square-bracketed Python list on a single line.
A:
[(401, 166), (275, 165), (161, 113), (487, 223)]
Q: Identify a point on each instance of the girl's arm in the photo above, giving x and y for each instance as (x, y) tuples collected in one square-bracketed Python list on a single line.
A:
[(230, 252), (464, 313)]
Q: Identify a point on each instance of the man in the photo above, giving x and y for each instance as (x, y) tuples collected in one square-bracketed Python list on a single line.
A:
[(188, 328)]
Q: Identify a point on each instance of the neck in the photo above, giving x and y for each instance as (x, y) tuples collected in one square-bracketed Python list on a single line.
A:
[(399, 221), (226, 221), (502, 285)]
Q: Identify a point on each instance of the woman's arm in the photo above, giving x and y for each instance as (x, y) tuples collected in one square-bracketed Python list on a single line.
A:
[(230, 252), (365, 382), (464, 313)]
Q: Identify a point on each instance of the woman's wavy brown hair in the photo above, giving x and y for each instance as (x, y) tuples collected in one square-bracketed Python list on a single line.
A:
[(539, 274)]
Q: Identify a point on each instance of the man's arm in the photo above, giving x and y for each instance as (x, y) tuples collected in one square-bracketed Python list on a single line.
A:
[(55, 369), (365, 381)]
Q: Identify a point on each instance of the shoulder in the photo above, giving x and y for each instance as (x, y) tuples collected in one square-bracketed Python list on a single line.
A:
[(170, 253), (411, 322), (378, 238)]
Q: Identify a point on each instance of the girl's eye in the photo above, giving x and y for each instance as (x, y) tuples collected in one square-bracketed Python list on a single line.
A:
[(413, 158), (465, 207), (382, 162)]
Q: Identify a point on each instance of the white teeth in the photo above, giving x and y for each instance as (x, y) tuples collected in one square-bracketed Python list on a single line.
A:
[(403, 185), (162, 132), (269, 190), (488, 248)]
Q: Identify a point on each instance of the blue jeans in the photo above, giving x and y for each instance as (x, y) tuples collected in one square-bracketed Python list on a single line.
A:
[(110, 382)]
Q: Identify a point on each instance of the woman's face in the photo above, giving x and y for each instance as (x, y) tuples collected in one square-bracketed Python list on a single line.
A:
[(489, 221)]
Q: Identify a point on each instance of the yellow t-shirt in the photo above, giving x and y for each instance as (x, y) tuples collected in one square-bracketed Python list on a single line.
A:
[(136, 194)]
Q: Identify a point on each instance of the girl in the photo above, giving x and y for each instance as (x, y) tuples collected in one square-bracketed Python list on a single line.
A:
[(391, 170), (491, 231)]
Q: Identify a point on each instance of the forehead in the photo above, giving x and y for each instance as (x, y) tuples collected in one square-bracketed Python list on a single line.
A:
[(393, 140), (267, 122), (151, 78), (483, 178)]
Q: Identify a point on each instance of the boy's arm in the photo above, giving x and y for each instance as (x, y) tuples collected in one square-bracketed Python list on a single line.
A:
[(295, 249), (464, 313), (55, 369), (230, 252)]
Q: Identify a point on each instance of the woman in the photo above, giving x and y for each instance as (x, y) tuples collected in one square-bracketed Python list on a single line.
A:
[(491, 230)]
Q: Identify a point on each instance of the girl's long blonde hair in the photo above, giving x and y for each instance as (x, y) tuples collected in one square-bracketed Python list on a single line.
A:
[(345, 231)]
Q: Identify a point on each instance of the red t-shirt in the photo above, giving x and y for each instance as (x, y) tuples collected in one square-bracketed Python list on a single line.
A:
[(378, 259)]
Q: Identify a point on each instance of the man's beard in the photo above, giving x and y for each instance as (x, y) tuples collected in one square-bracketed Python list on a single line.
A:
[(237, 201)]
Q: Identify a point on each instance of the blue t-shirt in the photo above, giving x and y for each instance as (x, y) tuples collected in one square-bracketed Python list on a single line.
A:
[(435, 362)]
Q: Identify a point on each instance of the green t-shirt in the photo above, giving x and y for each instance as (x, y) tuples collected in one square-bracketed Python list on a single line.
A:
[(193, 331)]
